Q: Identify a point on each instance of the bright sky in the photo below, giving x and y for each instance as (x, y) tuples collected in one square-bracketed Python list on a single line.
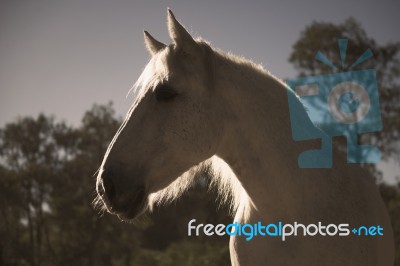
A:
[(60, 57)]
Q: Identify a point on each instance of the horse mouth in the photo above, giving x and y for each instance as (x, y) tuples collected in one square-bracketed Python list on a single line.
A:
[(127, 206), (134, 208)]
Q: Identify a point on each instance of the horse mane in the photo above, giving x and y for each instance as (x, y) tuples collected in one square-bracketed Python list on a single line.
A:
[(229, 189)]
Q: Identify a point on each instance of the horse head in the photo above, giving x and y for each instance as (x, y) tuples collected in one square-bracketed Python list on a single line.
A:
[(170, 127)]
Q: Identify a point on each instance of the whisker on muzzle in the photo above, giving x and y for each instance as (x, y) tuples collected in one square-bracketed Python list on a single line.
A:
[(98, 204)]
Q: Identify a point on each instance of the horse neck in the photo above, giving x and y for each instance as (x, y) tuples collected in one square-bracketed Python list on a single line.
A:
[(257, 142)]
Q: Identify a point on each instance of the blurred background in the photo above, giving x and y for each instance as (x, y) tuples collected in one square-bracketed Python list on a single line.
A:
[(65, 70)]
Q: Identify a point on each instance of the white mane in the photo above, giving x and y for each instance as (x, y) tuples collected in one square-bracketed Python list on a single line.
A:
[(230, 190)]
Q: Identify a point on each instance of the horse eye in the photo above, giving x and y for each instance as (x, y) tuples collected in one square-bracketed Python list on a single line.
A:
[(165, 93)]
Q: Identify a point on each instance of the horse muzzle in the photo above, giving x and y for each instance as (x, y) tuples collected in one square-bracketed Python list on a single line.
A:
[(125, 200)]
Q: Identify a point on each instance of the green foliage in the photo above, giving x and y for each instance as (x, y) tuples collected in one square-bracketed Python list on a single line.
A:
[(186, 253), (321, 36)]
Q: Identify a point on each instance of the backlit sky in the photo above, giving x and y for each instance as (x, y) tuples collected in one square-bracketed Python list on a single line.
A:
[(60, 57)]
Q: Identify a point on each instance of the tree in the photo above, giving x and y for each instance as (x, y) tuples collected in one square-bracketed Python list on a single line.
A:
[(321, 36), (31, 158), (46, 193), (47, 185)]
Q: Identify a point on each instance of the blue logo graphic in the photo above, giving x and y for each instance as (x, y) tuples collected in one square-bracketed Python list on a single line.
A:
[(339, 104)]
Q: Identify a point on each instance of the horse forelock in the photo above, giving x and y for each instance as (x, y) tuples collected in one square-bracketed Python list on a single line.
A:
[(154, 72), (158, 70)]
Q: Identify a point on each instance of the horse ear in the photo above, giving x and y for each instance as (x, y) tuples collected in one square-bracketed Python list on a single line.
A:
[(179, 34), (152, 44)]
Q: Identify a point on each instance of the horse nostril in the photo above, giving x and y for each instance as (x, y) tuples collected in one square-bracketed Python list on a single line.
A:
[(109, 188)]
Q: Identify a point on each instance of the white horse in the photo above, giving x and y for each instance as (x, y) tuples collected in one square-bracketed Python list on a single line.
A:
[(195, 106)]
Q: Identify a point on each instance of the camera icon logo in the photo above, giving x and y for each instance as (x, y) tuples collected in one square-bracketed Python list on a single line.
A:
[(339, 104)]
